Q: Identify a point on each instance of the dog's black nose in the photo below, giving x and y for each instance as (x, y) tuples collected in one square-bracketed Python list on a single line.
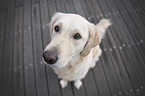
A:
[(50, 57)]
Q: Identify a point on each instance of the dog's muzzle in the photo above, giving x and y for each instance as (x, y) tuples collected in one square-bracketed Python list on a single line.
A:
[(50, 57)]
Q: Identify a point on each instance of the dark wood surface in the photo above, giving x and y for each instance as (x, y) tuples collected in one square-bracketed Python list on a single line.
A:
[(24, 34)]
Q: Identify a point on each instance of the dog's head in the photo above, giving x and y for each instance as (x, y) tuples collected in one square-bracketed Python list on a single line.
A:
[(71, 36)]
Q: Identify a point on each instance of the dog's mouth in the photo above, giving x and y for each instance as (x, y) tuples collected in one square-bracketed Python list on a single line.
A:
[(51, 65), (54, 60), (56, 65)]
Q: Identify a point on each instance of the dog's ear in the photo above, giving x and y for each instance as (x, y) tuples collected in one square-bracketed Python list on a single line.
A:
[(93, 40), (96, 33), (55, 17), (102, 26)]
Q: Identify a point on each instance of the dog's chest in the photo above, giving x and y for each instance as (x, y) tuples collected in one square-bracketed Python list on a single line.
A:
[(75, 72)]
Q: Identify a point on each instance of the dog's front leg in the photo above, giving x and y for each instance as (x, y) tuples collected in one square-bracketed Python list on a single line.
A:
[(78, 84), (63, 83)]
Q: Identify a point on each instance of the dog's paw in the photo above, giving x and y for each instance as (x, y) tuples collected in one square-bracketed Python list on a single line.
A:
[(78, 84), (63, 83)]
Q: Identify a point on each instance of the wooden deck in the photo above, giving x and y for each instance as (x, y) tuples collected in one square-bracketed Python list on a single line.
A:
[(24, 35)]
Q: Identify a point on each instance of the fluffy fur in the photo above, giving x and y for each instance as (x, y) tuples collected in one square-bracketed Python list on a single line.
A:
[(76, 57)]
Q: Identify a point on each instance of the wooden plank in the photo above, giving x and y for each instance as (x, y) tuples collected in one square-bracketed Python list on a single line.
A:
[(128, 65), (37, 52), (138, 36), (69, 6), (130, 25), (80, 92), (2, 29), (78, 7), (53, 83), (133, 14), (60, 6), (29, 74), (97, 10), (127, 29), (122, 73), (138, 58), (19, 3), (51, 7), (139, 10), (52, 78), (115, 87), (8, 52), (90, 85), (101, 80), (104, 85), (3, 4), (105, 15), (45, 22), (142, 3), (35, 1), (18, 80), (89, 14), (117, 63), (109, 44), (111, 78), (124, 54), (67, 91), (99, 74)]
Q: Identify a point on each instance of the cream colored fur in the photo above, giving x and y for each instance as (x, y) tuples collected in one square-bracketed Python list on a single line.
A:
[(76, 57)]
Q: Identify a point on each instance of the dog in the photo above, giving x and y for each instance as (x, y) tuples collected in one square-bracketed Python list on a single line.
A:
[(74, 46)]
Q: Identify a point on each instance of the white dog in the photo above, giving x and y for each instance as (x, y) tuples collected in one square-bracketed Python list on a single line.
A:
[(74, 46)]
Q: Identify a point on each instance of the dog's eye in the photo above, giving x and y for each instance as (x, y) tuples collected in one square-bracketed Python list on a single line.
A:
[(56, 28), (77, 36)]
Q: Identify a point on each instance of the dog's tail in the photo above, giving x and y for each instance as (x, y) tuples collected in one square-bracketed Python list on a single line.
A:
[(102, 26)]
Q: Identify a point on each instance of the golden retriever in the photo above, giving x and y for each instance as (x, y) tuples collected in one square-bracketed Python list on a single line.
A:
[(74, 46)]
